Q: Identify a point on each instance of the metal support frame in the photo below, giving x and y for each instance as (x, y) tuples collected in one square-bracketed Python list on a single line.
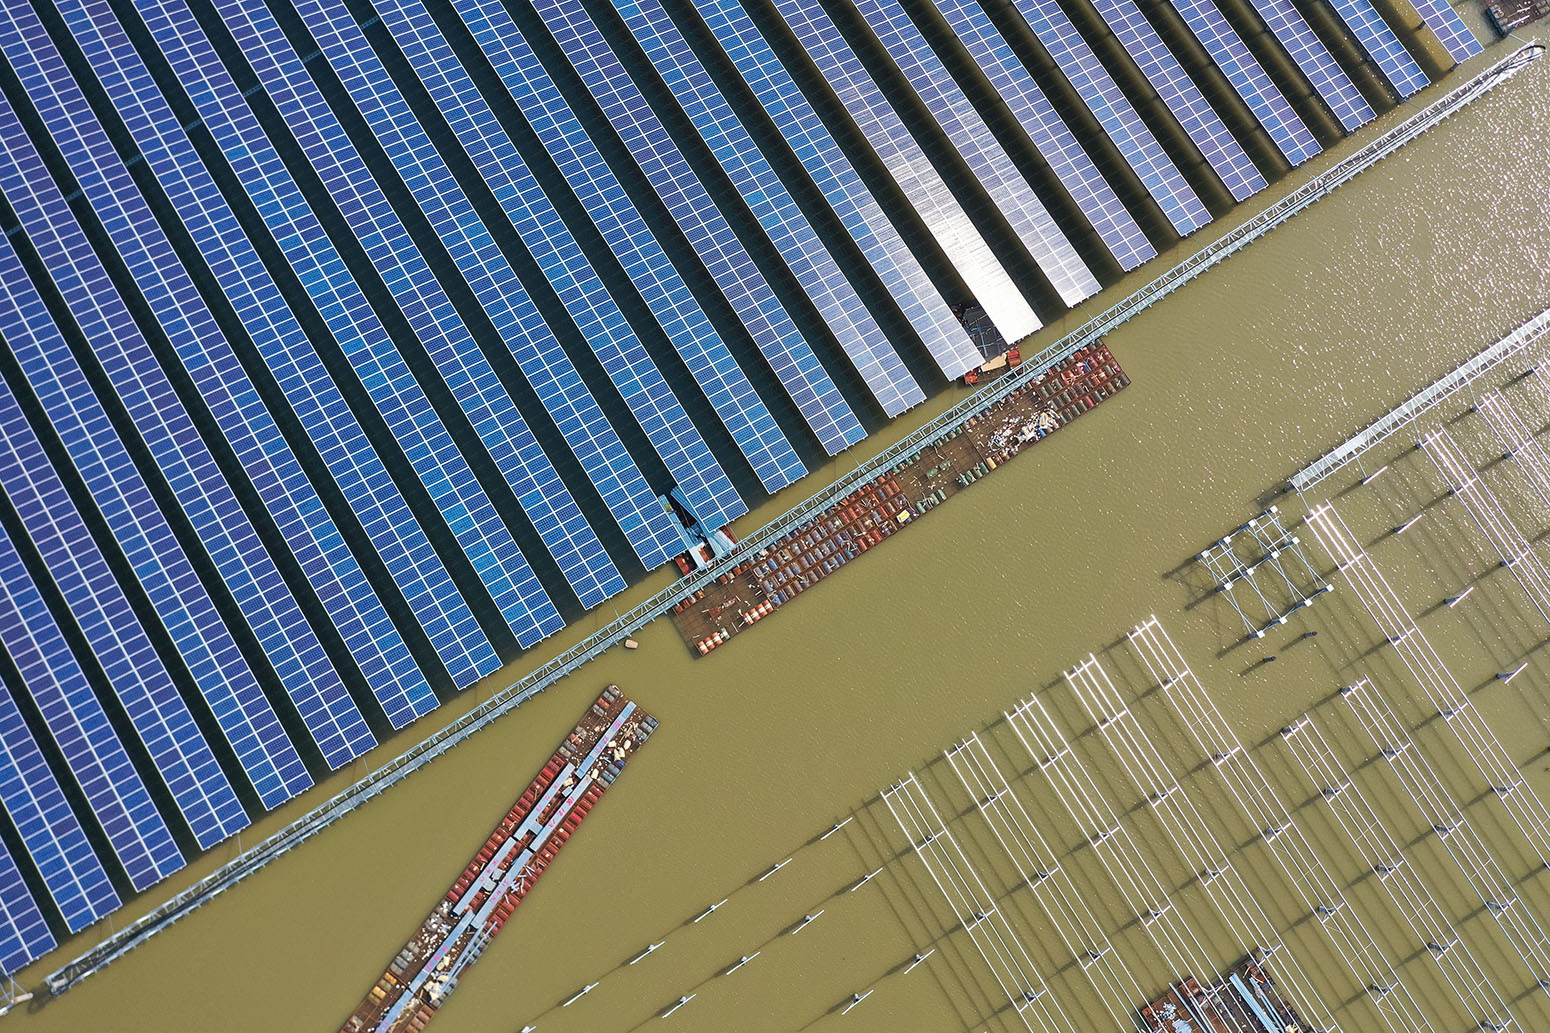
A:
[(1048, 881), (1274, 541), (1318, 888), (1369, 833), (1440, 808), (1189, 831), (975, 909), (1412, 408), (1488, 514), (1442, 690)]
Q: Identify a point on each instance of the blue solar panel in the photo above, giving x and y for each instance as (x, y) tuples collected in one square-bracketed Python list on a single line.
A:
[(992, 166), (1115, 114), (54, 839), (1316, 62), (181, 601), (79, 727), (383, 372), (1179, 92), (729, 263), (168, 432), (24, 934), (1248, 78), (35, 804), (537, 485), (649, 529), (1380, 43), (602, 324), (772, 204), (743, 413), (842, 187), (902, 156), (283, 344), (1049, 133), (376, 645), (250, 428), (116, 639), (1451, 31)]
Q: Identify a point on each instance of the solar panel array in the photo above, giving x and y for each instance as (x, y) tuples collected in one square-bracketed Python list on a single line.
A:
[(1048, 132), (842, 186), (321, 396), (661, 285), (773, 205), (1449, 28), (735, 271), (900, 153), (1018, 202), (1183, 97), (1115, 115), (1231, 56), (1297, 37), (1381, 45)]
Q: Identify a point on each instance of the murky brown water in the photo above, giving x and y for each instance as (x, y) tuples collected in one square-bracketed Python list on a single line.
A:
[(1238, 380)]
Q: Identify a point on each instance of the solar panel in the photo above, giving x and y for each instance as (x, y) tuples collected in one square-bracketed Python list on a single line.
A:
[(729, 263), (375, 644), (744, 414), (1115, 115), (1298, 40), (773, 205), (168, 433), (1049, 133), (24, 934), (283, 345), (181, 601), (500, 426), (425, 441), (79, 727), (842, 186), (54, 839), (1450, 29), (115, 636), (1248, 79), (621, 353), (901, 155), (1381, 45), (1183, 98), (990, 163)]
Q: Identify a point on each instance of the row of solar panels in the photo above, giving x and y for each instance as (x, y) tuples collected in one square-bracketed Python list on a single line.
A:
[(316, 388)]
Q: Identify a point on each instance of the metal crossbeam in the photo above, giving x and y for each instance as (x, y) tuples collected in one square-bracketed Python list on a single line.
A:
[(1188, 829), (1412, 898), (1319, 890)]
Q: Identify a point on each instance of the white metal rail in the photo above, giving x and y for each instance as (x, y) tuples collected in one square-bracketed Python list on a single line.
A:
[(974, 908), (1475, 738), (1412, 408), (1188, 829), (1528, 455), (1491, 518), (1090, 808), (1401, 882), (1440, 809), (1319, 890), (1052, 887)]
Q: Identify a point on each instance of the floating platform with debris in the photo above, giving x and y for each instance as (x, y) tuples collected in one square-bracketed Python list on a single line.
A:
[(899, 495), (427, 970), (1245, 1001), (1506, 15)]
